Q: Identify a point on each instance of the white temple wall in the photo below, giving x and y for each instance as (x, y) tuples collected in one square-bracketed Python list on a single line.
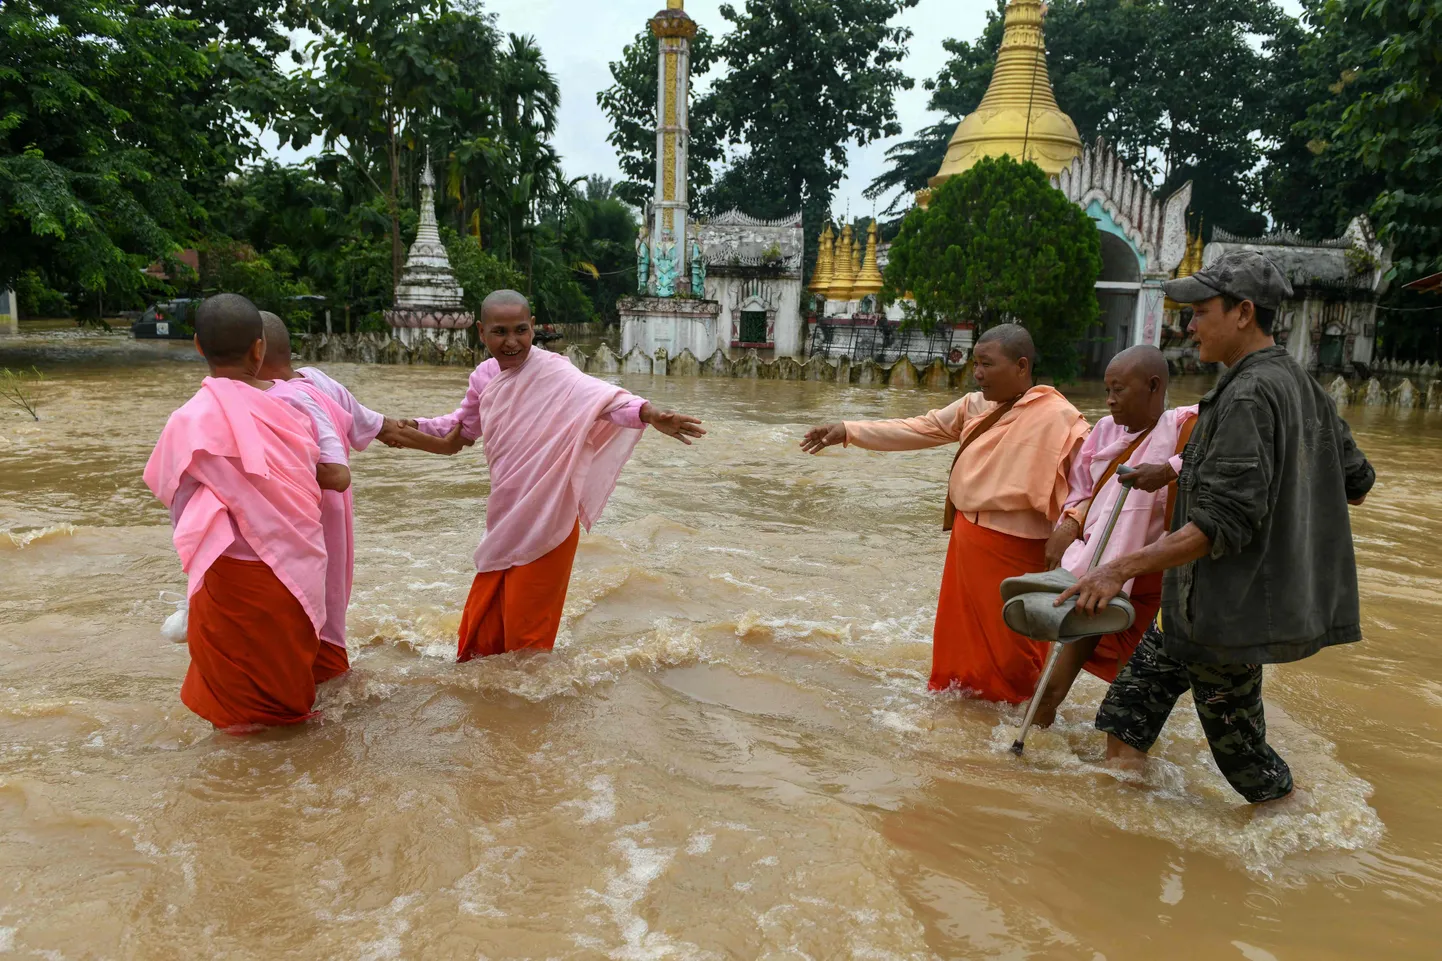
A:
[(674, 332), (779, 297)]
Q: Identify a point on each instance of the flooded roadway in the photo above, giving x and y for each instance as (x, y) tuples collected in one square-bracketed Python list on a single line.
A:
[(731, 754)]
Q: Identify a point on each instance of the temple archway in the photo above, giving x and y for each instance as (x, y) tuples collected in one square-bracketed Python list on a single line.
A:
[(1118, 290)]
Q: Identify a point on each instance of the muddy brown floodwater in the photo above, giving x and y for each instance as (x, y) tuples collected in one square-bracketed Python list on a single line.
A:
[(731, 754)]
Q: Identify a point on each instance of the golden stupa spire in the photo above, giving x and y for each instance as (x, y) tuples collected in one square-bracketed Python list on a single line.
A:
[(845, 273), (1019, 114), (825, 263), (675, 4), (869, 280)]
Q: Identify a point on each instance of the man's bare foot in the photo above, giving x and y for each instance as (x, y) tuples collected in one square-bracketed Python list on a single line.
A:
[(1125, 759)]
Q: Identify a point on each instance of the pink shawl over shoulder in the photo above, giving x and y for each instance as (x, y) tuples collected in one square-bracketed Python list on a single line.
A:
[(337, 513), (254, 457), (1143, 519), (552, 457)]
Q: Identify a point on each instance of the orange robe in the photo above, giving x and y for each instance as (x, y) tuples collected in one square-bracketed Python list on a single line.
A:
[(518, 608), (252, 649), (331, 662), (1009, 488)]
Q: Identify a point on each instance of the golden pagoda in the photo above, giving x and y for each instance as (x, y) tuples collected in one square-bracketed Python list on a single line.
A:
[(1019, 115), (825, 263), (845, 274), (868, 278)]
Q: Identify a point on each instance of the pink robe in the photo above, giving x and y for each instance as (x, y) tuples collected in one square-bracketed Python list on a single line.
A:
[(553, 447), (365, 423), (1143, 519), (334, 426), (253, 459)]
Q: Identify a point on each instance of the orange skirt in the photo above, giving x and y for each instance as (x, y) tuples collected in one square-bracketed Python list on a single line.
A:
[(331, 661), (973, 649), (252, 649), (1114, 650), (518, 608)]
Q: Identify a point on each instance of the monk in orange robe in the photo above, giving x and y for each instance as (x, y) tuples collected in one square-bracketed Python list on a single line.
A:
[(240, 470), (1008, 485), (555, 441)]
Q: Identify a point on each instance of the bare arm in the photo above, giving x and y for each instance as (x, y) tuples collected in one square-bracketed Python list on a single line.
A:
[(404, 436), (933, 429), (1097, 588), (683, 427), (333, 477)]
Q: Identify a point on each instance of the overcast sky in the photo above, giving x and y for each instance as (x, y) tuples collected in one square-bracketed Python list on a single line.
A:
[(580, 37)]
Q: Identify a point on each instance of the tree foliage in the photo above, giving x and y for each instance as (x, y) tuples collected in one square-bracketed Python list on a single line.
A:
[(630, 104), (998, 244), (803, 79), (119, 118), (1362, 118)]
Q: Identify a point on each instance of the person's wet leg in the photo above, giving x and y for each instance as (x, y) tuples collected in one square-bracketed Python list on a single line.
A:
[(1229, 704)]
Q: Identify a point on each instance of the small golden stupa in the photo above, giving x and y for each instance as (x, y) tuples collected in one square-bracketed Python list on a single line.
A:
[(1019, 115), (845, 274), (868, 279), (825, 263)]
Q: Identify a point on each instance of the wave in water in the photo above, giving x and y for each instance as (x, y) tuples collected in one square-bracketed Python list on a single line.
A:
[(23, 539)]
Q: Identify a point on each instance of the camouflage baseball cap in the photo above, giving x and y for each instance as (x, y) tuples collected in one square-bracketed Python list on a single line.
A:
[(1239, 274)]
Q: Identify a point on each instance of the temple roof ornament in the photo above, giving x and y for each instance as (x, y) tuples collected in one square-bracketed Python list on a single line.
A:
[(1156, 230), (673, 22), (1019, 115)]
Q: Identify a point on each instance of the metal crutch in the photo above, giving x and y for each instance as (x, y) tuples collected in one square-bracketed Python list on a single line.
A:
[(1019, 745)]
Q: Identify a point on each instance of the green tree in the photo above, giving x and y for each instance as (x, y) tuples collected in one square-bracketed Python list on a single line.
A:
[(118, 117), (380, 76), (802, 80), (1374, 127), (630, 104), (1178, 87), (998, 244)]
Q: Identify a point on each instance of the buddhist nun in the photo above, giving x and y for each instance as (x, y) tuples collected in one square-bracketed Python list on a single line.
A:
[(342, 425), (1009, 482), (1142, 434), (240, 470), (555, 441)]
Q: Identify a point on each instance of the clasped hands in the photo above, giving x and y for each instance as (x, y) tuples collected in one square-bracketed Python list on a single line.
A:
[(404, 435)]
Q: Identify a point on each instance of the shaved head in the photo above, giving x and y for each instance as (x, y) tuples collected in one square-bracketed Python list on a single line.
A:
[(277, 340), (1013, 340), (226, 327), (1143, 362), (502, 300)]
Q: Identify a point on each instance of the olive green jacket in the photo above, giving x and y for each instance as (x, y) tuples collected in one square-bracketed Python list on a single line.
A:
[(1267, 477)]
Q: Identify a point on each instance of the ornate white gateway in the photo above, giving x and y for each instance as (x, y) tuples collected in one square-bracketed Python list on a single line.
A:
[(1144, 239)]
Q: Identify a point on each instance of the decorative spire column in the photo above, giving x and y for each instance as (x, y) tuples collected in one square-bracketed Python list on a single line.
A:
[(674, 31), (1019, 115)]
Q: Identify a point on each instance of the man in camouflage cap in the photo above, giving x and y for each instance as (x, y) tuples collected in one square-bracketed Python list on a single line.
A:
[(1260, 567)]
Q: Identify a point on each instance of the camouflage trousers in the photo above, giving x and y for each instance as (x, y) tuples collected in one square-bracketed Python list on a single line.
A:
[(1229, 703)]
